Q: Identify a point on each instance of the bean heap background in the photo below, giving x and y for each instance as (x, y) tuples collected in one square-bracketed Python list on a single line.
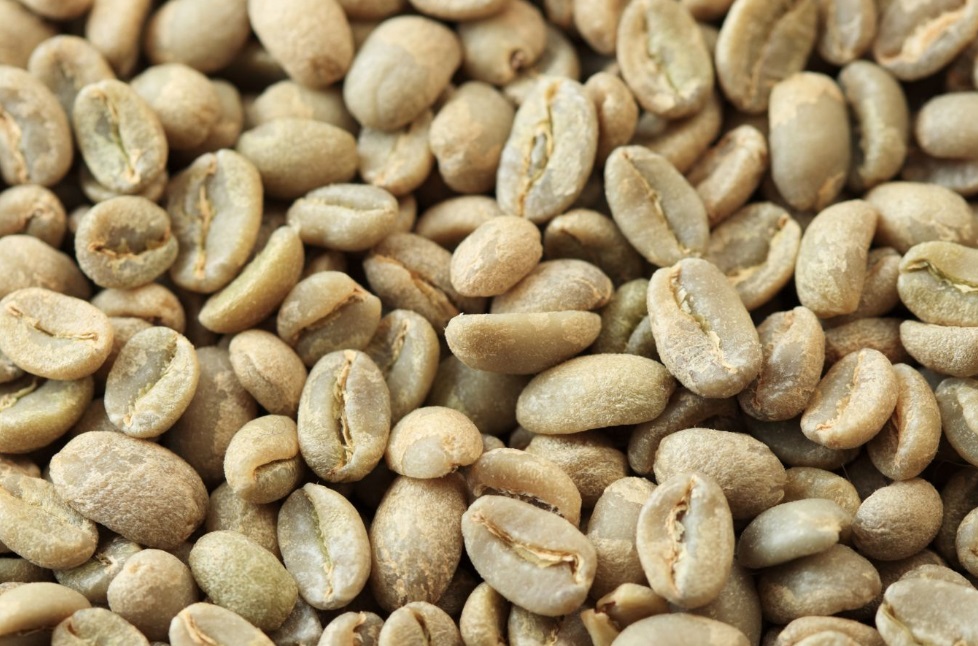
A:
[(488, 321)]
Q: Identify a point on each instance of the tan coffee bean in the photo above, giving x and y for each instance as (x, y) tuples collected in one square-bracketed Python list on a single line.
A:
[(750, 475), (908, 441), (468, 164), (261, 286), (220, 626), (809, 166), (848, 29), (134, 487), (879, 295), (916, 40), (935, 283), (183, 99), (21, 32), (911, 213), (204, 38), (346, 217), (324, 545), (685, 539), (756, 248), (880, 116), (852, 402), (737, 605), (269, 370), (26, 261), (525, 627), (352, 628), (556, 286), (496, 256), (727, 174), (805, 628), (416, 621), (483, 619), (941, 128), (794, 353), (752, 28), (419, 53), (398, 160), (405, 348), (550, 151), (152, 382), (460, 11), (949, 350), (533, 558), (32, 210), (114, 28), (948, 613), (898, 520), (344, 416), (35, 412), (287, 99), (495, 48), (415, 540), (958, 175), (965, 539), (151, 588), (129, 160), (641, 389), (35, 144), (665, 229), (449, 222), (66, 64), (36, 608), (622, 316), (786, 440), (807, 482), (613, 100), (838, 237), (227, 511), (92, 578), (431, 442), (295, 156), (880, 334), (262, 463), (676, 628), (792, 530), (152, 303), (95, 625), (702, 330)]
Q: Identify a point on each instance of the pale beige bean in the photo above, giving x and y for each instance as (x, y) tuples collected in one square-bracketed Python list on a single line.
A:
[(908, 441), (496, 256), (431, 442), (556, 286)]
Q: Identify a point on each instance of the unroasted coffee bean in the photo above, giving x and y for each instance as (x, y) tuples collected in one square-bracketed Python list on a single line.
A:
[(184, 100), (527, 477), (911, 213), (260, 287), (807, 482), (36, 608), (35, 412), (750, 475), (520, 343), (786, 441), (945, 349), (483, 619), (294, 156), (916, 40), (119, 136), (685, 539), (37, 525), (809, 166), (405, 348), (593, 237), (262, 463), (672, 225), (399, 160), (754, 28), (290, 99), (53, 336), (936, 279), (431, 442), (419, 53), (416, 541), (327, 312), (880, 116), (151, 588), (852, 402), (838, 237), (344, 416), (848, 29), (346, 217), (353, 628), (614, 104), (792, 530), (495, 257), (702, 329), (681, 628), (92, 578), (416, 622), (550, 151), (269, 370), (449, 222), (114, 28), (566, 398), (589, 458), (152, 303), (32, 210), (26, 261), (324, 545), (794, 351), (822, 584), (727, 174), (806, 629), (948, 615), (96, 625), (898, 520), (909, 440), (879, 295), (880, 334), (311, 40), (134, 487), (206, 39), (525, 627), (756, 249), (215, 207), (533, 558), (204, 622), (555, 286), (497, 47), (125, 242), (151, 383), (663, 58), (227, 511), (35, 142), (940, 128), (22, 32)]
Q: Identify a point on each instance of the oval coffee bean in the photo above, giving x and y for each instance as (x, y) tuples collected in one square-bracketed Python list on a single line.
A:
[(911, 213), (677, 629), (206, 40), (151, 383), (943, 130), (550, 151), (324, 545), (898, 520), (269, 370), (149, 589), (938, 282), (262, 463), (728, 174), (35, 412), (135, 488), (848, 30), (96, 625), (557, 285), (26, 261), (210, 624), (431, 442), (53, 336), (657, 210), (344, 416), (915, 40), (567, 398), (35, 140), (685, 539), (957, 399), (908, 440), (496, 256), (346, 217), (419, 622), (949, 613), (852, 402), (612, 531), (535, 559), (119, 136), (36, 608), (702, 329), (663, 58), (792, 530), (947, 349), (353, 628)]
